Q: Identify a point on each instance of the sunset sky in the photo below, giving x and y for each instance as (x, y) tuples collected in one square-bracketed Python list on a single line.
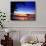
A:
[(25, 7)]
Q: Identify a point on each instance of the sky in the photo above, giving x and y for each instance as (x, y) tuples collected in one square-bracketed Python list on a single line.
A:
[(25, 7)]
